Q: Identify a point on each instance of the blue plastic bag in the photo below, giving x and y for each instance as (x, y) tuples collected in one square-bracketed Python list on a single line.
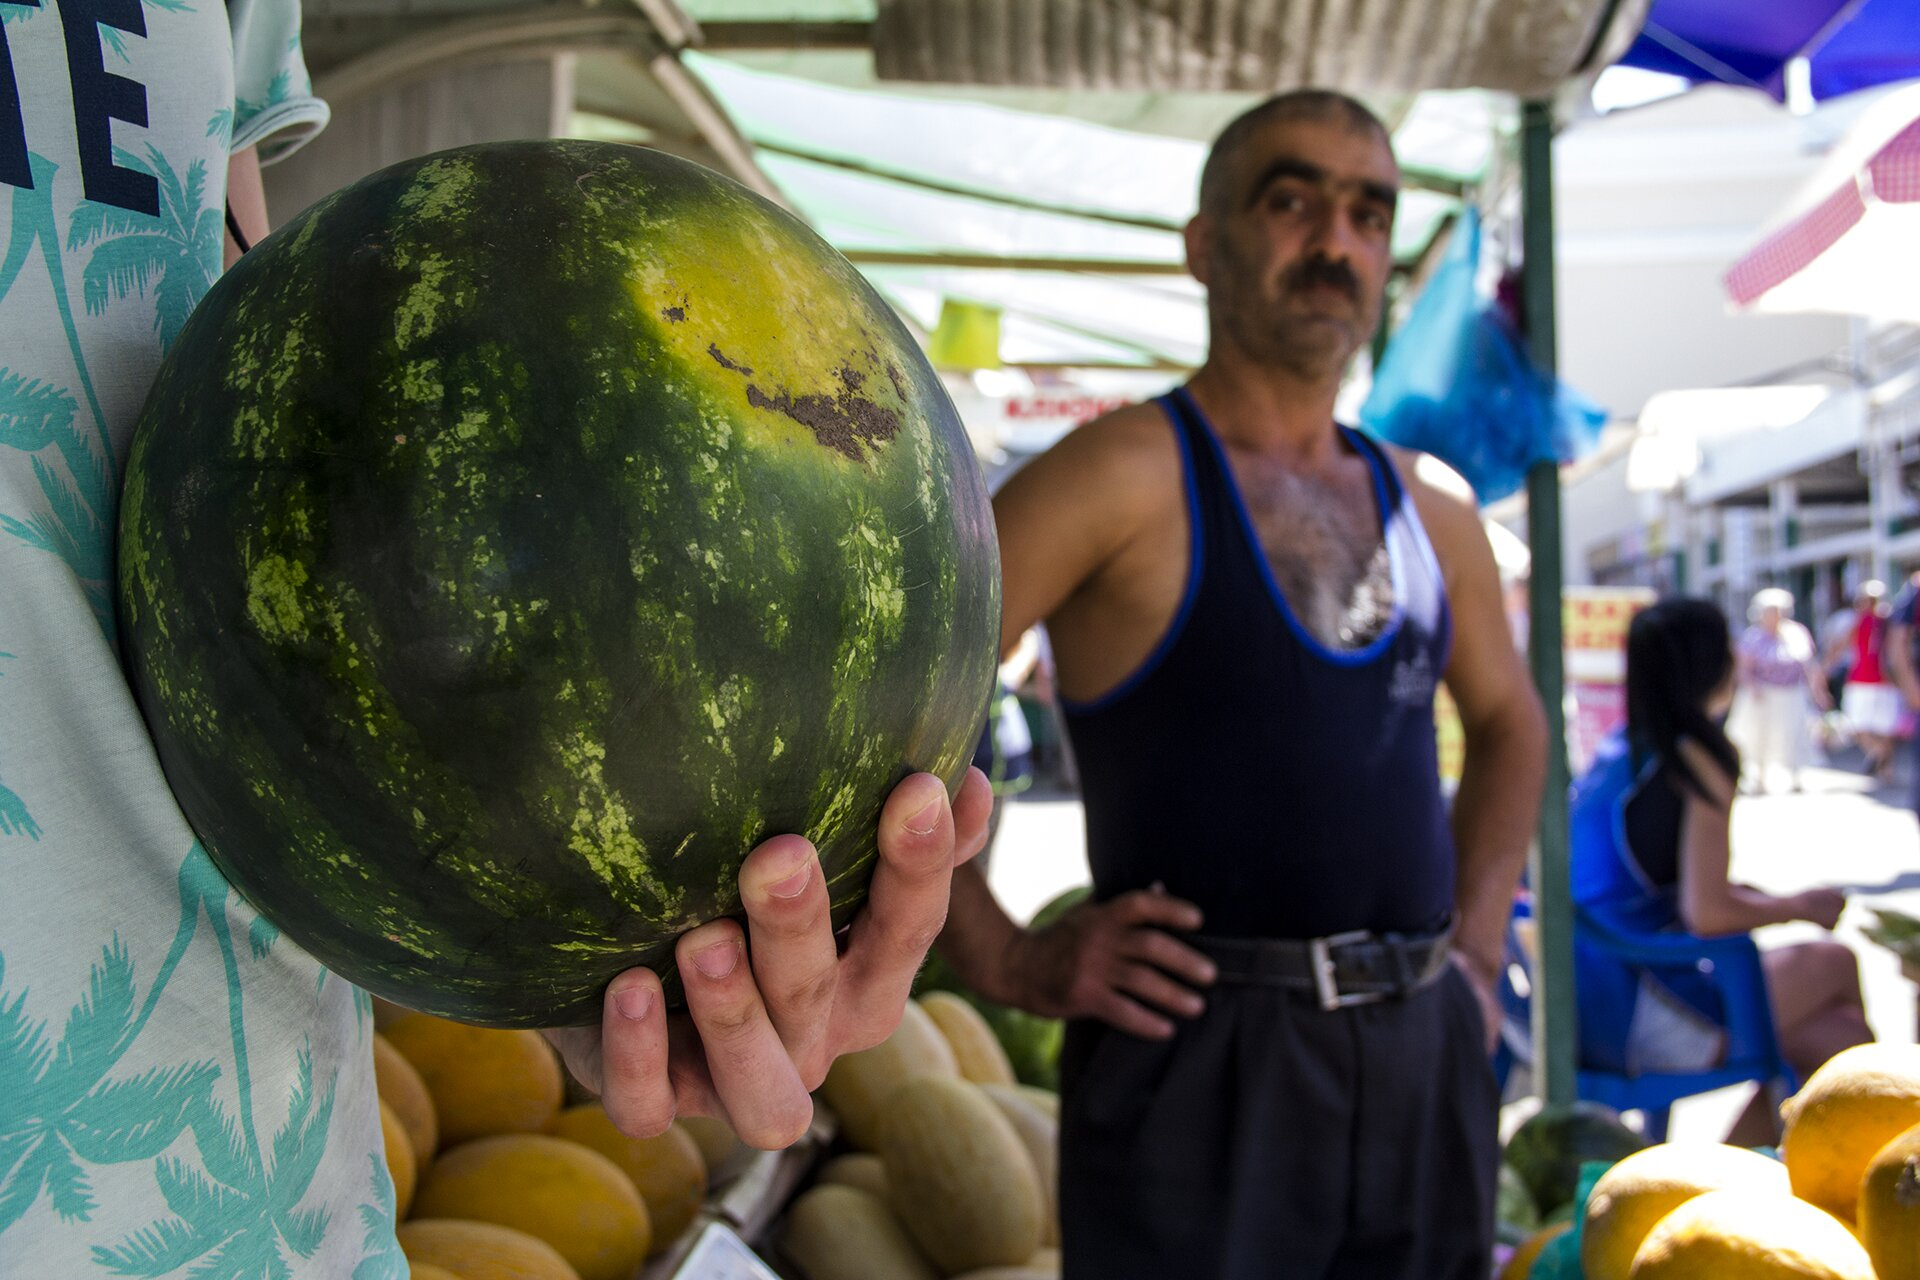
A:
[(1456, 382)]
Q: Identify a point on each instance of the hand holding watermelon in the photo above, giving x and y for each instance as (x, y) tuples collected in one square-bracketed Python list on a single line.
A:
[(516, 537), (757, 1038)]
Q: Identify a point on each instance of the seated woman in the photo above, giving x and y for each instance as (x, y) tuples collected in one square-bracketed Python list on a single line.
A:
[(1650, 852)]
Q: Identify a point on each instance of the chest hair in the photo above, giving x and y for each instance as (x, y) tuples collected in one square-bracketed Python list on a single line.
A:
[(1324, 544)]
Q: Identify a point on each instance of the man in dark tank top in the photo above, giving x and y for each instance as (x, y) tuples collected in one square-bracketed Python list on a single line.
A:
[(1281, 996)]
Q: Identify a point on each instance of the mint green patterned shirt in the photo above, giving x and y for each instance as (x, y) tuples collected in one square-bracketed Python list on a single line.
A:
[(182, 1092)]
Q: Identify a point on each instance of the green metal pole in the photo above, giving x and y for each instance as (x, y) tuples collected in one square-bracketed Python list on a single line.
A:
[(1553, 996)]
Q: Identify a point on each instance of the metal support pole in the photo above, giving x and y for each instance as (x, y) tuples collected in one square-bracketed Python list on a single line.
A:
[(1554, 1019)]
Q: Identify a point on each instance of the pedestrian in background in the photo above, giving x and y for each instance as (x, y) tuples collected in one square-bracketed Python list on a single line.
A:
[(1898, 657), (1870, 701), (1778, 672)]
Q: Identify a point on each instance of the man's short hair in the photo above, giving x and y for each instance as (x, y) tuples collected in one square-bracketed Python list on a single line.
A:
[(1325, 105)]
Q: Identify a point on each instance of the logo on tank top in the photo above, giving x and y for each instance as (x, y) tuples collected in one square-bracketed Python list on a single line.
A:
[(1412, 683)]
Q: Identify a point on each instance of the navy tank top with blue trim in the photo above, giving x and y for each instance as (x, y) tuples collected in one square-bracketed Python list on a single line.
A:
[(1289, 789)]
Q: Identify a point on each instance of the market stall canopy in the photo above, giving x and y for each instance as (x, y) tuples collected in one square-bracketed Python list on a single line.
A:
[(1518, 46), (1846, 242), (1845, 44), (1057, 200)]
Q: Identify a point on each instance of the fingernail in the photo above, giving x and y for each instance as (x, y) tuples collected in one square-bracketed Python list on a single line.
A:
[(634, 1003), (794, 885), (923, 822), (718, 960)]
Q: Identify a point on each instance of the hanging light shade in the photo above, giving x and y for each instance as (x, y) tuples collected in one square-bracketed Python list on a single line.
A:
[(967, 337)]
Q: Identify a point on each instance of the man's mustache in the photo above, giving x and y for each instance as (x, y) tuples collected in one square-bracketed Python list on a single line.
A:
[(1325, 271)]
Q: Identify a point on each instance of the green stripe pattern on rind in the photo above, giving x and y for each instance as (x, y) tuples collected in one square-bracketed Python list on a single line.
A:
[(514, 539)]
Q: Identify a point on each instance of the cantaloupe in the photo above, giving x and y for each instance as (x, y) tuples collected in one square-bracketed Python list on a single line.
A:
[(402, 1089), (977, 1052), (838, 1232), (481, 1251), (568, 1195), (666, 1169), (961, 1179), (483, 1082), (858, 1084), (399, 1152)]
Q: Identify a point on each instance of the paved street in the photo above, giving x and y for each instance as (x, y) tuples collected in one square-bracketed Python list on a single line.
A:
[(1839, 831)]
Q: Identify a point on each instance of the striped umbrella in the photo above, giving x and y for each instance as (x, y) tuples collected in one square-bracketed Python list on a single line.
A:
[(1849, 242)]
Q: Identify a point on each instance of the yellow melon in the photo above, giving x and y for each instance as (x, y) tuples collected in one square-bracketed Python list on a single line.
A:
[(1046, 1099), (483, 1082), (667, 1170), (1856, 1103), (402, 1089), (568, 1195), (1888, 1217), (859, 1169), (961, 1179), (842, 1233), (480, 1251), (1640, 1190), (976, 1050), (427, 1271), (1742, 1235), (1040, 1135), (858, 1084), (399, 1152), (1520, 1265), (720, 1147)]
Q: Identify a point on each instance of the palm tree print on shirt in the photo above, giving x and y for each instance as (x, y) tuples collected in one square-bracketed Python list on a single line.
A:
[(179, 252), (14, 818), (236, 1213), (77, 513)]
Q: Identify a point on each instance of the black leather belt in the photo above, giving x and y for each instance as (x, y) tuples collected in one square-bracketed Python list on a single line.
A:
[(1339, 970)]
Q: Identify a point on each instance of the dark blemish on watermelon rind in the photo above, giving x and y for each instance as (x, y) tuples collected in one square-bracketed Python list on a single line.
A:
[(843, 423), (677, 314), (713, 349)]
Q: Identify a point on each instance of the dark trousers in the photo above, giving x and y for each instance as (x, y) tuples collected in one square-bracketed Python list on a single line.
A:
[(1272, 1139)]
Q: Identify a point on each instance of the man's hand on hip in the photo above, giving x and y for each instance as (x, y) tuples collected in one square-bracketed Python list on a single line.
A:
[(1486, 992), (1117, 961)]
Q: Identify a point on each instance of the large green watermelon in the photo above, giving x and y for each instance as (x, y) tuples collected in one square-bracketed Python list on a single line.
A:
[(516, 537)]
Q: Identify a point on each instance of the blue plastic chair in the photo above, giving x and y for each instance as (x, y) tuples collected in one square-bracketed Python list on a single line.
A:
[(1732, 964)]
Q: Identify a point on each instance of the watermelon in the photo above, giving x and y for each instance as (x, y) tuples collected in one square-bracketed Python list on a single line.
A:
[(1550, 1146), (515, 538)]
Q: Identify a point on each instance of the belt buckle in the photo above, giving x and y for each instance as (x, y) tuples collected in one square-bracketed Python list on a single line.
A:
[(1320, 956)]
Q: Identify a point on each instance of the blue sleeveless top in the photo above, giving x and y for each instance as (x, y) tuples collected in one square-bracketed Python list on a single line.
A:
[(1288, 789), (1625, 833)]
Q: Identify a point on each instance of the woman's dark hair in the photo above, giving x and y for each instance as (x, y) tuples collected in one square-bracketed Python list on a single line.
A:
[(1678, 652)]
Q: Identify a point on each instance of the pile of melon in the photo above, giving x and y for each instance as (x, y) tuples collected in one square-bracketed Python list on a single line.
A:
[(1842, 1201), (495, 1177), (950, 1164)]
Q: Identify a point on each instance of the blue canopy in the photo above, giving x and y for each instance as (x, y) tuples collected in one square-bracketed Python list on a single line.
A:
[(1850, 44)]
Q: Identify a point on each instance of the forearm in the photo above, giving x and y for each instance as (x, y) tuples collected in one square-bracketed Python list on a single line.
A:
[(978, 934), (1737, 908), (1494, 814)]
